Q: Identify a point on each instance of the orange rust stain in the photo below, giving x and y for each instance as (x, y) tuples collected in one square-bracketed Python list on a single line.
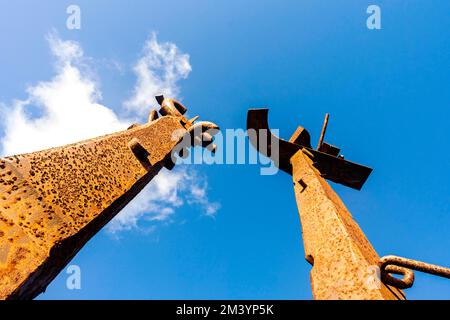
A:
[(344, 262)]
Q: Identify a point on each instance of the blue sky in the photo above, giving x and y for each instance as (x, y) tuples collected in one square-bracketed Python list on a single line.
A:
[(387, 92)]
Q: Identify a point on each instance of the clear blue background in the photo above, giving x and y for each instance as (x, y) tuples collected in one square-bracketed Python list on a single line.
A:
[(387, 92)]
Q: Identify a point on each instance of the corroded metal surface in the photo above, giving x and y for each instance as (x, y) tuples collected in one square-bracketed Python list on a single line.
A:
[(52, 202), (345, 265), (344, 262)]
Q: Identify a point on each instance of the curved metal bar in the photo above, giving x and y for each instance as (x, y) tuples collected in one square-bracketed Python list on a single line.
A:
[(170, 107), (262, 139), (405, 282), (335, 169), (391, 264), (203, 126)]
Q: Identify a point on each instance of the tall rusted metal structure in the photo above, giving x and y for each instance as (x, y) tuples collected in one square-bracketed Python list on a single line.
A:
[(52, 202), (344, 262)]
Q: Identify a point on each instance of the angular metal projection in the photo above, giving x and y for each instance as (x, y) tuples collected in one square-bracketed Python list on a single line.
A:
[(326, 159), (345, 265)]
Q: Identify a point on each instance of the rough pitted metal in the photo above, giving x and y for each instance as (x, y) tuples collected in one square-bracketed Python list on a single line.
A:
[(344, 262), (52, 202), (345, 266)]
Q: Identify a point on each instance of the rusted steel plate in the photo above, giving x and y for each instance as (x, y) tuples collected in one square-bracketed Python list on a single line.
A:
[(331, 166), (402, 266)]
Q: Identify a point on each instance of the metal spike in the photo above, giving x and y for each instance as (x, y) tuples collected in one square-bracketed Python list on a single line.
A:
[(159, 99)]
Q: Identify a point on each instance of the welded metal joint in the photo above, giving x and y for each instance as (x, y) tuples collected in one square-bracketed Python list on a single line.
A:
[(308, 153)]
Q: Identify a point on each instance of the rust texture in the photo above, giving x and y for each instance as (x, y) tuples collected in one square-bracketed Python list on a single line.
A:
[(345, 265), (344, 262), (52, 202)]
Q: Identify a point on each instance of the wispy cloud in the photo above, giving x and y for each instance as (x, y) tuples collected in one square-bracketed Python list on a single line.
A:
[(158, 70), (68, 108), (159, 201)]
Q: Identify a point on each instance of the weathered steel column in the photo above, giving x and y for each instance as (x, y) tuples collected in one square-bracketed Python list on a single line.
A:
[(52, 202), (345, 265)]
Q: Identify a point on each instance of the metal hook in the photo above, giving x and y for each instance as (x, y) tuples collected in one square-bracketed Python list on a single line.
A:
[(403, 266)]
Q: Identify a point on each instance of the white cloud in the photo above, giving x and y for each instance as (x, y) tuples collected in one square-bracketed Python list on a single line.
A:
[(160, 68), (68, 104), (159, 200), (198, 195), (67, 109)]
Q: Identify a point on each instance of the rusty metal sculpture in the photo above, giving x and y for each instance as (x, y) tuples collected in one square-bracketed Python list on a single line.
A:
[(344, 262), (52, 202), (345, 265)]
